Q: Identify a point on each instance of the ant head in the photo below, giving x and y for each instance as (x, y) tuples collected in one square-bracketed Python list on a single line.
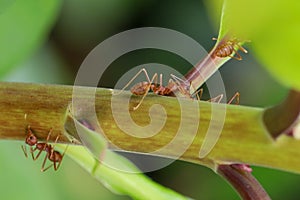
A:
[(31, 139)]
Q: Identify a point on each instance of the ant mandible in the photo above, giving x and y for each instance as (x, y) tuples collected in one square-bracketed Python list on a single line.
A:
[(54, 156)]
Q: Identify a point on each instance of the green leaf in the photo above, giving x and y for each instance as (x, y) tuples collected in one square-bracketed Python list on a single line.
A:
[(24, 26), (138, 186), (273, 28), (128, 181), (96, 142)]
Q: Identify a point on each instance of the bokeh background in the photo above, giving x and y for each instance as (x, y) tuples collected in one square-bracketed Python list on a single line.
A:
[(78, 26)]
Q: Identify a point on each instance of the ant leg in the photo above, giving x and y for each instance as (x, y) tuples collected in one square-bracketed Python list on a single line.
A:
[(160, 80), (175, 86), (182, 85), (147, 90), (241, 48), (52, 149), (179, 81), (24, 150), (198, 94), (41, 150), (53, 155), (37, 155), (62, 156), (237, 57), (24, 146), (29, 129), (49, 134), (235, 96), (45, 169), (216, 99), (44, 162), (49, 155), (133, 78), (54, 165)]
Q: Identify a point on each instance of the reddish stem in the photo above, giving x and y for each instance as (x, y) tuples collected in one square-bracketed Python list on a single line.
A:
[(205, 68), (243, 181)]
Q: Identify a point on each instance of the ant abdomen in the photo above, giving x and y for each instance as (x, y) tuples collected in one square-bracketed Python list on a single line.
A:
[(225, 51), (227, 48)]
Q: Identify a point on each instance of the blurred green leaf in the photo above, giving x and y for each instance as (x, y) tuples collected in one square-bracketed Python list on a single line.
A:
[(24, 26), (4, 4), (45, 66), (274, 29)]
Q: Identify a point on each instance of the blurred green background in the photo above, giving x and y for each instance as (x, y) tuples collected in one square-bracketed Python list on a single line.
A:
[(46, 41)]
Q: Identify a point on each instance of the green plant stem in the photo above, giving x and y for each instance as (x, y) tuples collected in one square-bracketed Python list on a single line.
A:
[(244, 138)]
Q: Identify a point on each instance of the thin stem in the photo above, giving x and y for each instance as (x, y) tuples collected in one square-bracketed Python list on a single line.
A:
[(245, 184), (205, 68)]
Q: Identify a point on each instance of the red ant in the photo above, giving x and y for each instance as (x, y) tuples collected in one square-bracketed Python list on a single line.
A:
[(175, 84), (53, 155), (226, 49), (142, 88)]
